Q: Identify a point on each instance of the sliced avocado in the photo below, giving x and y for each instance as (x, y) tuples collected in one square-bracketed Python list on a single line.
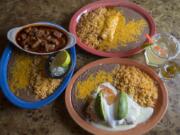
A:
[(100, 107), (122, 106)]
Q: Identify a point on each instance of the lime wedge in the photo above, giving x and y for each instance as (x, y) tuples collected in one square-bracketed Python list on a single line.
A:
[(62, 59), (122, 106), (100, 107), (146, 45)]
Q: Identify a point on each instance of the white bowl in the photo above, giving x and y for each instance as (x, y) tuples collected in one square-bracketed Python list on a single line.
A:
[(12, 33)]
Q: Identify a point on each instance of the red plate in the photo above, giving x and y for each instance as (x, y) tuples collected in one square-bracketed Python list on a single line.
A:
[(159, 109), (127, 51)]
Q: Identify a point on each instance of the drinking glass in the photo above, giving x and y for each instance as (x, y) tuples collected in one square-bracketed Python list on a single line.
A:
[(170, 70), (165, 47)]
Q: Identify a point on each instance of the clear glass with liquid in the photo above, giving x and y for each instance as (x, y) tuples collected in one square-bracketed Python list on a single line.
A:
[(170, 69), (165, 47)]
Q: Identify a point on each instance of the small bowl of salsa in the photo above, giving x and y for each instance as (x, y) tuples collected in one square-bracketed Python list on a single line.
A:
[(41, 38)]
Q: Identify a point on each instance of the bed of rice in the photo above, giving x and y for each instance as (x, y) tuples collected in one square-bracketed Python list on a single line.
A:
[(137, 84)]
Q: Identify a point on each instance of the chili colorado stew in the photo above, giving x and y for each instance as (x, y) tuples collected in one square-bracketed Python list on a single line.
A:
[(41, 39)]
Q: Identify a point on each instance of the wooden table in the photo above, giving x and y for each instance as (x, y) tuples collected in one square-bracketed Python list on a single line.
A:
[(54, 118)]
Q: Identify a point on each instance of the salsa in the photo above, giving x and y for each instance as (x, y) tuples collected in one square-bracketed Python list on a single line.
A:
[(41, 39)]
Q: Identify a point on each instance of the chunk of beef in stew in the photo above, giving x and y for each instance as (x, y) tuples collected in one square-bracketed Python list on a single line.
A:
[(41, 39)]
